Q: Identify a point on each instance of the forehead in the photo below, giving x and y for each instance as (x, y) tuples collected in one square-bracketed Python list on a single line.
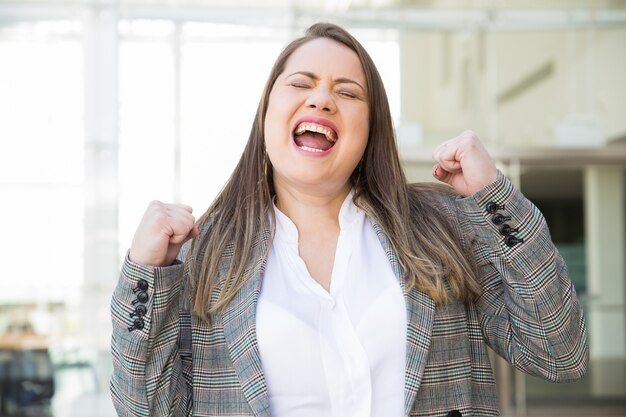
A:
[(324, 56)]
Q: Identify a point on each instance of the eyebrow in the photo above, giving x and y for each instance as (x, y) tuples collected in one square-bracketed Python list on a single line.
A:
[(340, 80)]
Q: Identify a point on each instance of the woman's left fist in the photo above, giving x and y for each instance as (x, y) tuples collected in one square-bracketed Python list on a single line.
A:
[(464, 163)]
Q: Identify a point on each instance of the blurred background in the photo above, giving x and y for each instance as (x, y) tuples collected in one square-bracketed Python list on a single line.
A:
[(106, 105)]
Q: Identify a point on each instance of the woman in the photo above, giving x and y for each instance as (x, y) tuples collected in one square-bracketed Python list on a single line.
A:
[(320, 284)]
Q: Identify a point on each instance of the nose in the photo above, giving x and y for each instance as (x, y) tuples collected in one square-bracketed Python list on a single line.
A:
[(322, 100)]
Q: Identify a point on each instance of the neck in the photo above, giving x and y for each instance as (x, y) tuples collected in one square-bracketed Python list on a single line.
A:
[(312, 212)]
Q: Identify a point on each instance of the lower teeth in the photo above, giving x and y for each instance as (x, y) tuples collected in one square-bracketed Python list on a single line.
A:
[(306, 148)]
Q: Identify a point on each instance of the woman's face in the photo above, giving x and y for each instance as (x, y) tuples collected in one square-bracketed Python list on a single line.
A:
[(317, 125)]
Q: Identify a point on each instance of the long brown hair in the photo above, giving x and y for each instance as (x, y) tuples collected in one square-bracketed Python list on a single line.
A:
[(423, 239)]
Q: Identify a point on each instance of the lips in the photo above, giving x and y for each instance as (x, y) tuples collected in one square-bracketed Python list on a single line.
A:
[(314, 135)]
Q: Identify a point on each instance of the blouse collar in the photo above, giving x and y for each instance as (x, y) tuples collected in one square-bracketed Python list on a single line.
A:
[(286, 229)]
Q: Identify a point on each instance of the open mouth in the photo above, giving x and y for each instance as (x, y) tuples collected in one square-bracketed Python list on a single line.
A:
[(314, 137)]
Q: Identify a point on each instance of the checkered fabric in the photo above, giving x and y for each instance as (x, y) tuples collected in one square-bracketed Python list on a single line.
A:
[(528, 313)]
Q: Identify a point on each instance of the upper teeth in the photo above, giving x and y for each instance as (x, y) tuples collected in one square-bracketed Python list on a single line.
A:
[(314, 127)]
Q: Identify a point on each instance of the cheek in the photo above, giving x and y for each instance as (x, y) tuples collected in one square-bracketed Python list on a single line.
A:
[(362, 142), (363, 133), (271, 128), (359, 118), (276, 127), (274, 136), (357, 147)]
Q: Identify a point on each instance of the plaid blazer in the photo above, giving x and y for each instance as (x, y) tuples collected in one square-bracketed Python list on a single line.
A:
[(167, 363)]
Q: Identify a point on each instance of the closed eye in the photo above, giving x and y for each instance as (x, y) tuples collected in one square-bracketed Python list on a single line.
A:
[(347, 94)]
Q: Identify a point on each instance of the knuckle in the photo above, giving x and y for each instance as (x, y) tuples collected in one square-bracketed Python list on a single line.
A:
[(155, 206), (159, 216), (469, 139)]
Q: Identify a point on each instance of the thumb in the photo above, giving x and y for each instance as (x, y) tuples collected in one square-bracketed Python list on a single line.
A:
[(437, 171), (441, 174)]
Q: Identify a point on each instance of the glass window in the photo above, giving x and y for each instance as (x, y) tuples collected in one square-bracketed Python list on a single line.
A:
[(222, 79), (41, 162), (147, 120)]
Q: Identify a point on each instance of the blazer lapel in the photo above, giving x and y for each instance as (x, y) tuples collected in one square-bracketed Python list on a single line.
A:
[(239, 321), (240, 333), (420, 313)]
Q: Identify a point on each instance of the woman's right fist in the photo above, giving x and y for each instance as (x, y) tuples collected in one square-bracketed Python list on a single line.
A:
[(163, 230)]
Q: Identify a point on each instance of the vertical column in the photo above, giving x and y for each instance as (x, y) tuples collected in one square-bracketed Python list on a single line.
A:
[(101, 178), (606, 275), (491, 87), (413, 91), (177, 53), (413, 75), (414, 100)]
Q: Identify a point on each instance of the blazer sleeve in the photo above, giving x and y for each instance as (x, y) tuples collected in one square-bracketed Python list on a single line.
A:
[(151, 351), (528, 310)]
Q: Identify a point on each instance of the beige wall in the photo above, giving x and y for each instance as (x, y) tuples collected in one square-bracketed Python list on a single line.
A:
[(514, 88)]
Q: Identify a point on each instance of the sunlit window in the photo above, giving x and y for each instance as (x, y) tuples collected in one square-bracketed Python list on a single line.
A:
[(222, 82), (147, 124), (187, 100), (107, 105), (383, 47), (188, 96), (41, 162)]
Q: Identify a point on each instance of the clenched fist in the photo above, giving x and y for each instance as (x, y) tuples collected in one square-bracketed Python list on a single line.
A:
[(464, 163), (163, 230)]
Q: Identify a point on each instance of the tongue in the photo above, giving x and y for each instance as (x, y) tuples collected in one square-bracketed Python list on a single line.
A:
[(313, 140)]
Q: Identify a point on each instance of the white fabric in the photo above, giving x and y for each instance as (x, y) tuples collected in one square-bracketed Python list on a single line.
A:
[(340, 353)]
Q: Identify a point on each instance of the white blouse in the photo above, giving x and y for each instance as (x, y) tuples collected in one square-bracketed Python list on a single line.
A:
[(340, 353)]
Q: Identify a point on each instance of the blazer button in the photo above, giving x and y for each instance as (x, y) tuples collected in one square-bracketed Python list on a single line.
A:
[(137, 324), (505, 229), (140, 311), (454, 413), (492, 207), (511, 240), (498, 218), (142, 297), (142, 285)]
